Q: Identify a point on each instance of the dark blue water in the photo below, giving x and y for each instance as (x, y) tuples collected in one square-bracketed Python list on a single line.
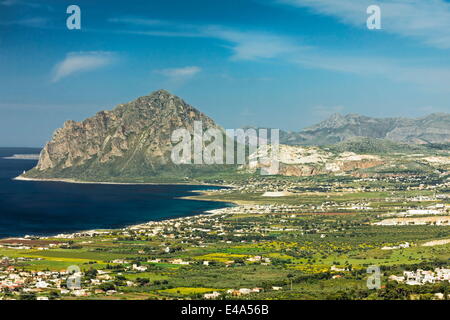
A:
[(48, 208)]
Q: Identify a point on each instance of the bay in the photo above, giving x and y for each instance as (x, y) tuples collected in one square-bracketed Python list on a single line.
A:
[(49, 208)]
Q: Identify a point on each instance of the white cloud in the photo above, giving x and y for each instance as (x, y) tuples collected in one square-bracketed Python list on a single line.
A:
[(180, 74), (254, 45), (76, 62), (36, 22), (171, 29), (245, 45), (427, 21)]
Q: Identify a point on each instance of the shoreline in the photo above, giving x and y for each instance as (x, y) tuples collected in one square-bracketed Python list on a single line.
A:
[(199, 183), (205, 193), (67, 235), (168, 219)]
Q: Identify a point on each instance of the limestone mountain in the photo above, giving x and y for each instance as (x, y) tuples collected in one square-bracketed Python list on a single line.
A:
[(434, 128), (131, 142)]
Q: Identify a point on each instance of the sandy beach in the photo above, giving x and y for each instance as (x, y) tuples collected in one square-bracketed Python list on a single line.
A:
[(20, 178)]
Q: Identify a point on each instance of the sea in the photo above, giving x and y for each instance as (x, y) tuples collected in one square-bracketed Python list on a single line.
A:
[(50, 208)]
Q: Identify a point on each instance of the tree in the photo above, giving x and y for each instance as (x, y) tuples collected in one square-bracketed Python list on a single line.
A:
[(27, 296), (143, 281), (106, 286)]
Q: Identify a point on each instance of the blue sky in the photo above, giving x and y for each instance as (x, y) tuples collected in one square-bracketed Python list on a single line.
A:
[(277, 63)]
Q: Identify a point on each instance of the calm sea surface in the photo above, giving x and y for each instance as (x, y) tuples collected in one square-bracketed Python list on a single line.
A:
[(47, 208)]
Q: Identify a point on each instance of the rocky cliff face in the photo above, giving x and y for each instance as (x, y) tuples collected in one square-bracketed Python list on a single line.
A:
[(310, 161), (398, 159), (434, 128), (134, 139)]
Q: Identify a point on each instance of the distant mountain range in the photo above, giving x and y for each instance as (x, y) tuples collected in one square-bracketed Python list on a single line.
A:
[(132, 143), (434, 128)]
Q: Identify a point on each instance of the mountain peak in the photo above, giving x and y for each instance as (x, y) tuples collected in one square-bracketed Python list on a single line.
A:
[(336, 116), (133, 140), (161, 92), (157, 101)]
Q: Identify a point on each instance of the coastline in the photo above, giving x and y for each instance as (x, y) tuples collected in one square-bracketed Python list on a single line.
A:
[(190, 183), (131, 226), (203, 196), (204, 193), (169, 219)]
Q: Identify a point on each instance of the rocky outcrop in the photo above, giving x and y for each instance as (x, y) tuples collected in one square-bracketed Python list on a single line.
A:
[(310, 161)]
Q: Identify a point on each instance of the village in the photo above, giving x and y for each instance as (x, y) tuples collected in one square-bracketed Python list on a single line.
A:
[(421, 277), (276, 235)]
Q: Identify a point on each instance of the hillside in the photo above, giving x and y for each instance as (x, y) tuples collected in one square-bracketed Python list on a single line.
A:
[(130, 143)]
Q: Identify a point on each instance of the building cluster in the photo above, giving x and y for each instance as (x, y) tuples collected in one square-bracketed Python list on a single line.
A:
[(400, 246), (435, 209), (238, 292), (421, 277), (261, 209), (15, 281)]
